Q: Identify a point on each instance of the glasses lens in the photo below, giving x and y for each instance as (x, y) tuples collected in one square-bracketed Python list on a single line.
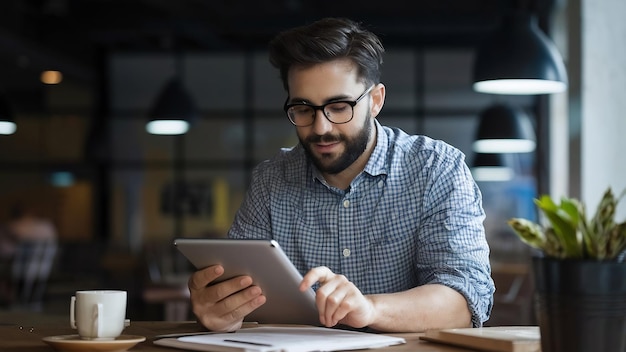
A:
[(301, 115), (340, 112)]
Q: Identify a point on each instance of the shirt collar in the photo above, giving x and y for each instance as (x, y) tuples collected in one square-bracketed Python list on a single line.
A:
[(377, 163)]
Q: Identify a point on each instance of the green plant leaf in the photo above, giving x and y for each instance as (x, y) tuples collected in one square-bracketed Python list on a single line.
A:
[(589, 239), (602, 220), (571, 207), (569, 233), (554, 246), (616, 241), (565, 226), (529, 232)]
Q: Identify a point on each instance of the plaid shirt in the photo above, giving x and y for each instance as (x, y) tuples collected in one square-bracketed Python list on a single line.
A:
[(414, 216)]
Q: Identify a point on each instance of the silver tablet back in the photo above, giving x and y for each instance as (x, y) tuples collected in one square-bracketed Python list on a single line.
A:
[(270, 269)]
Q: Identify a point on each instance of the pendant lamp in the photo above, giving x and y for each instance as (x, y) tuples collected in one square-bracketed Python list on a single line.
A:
[(7, 124), (518, 58), (492, 167), (504, 128), (173, 111)]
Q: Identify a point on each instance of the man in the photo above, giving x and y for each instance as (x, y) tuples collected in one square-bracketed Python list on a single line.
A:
[(386, 226)]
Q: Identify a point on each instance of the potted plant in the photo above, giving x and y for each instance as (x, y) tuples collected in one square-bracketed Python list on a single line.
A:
[(579, 274)]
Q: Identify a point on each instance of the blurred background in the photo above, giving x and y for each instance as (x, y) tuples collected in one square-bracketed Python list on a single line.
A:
[(80, 79)]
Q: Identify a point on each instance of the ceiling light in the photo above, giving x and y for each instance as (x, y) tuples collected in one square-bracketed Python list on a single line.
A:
[(491, 168), (504, 129), (167, 127), (7, 124), (51, 77), (518, 58), (62, 179), (173, 111), (7, 127)]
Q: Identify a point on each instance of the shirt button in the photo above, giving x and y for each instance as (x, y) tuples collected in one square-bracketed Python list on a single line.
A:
[(346, 203), (346, 252), (381, 183)]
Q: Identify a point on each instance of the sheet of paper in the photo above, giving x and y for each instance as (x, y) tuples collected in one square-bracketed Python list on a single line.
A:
[(294, 339)]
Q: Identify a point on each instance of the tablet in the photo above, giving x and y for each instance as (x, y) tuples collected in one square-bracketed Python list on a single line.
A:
[(270, 269)]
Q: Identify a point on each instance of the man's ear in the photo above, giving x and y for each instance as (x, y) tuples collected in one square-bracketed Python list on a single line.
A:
[(378, 99)]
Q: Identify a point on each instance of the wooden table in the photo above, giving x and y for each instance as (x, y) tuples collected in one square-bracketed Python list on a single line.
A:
[(19, 336)]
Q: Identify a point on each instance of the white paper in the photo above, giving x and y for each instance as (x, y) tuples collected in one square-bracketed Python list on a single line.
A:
[(294, 339)]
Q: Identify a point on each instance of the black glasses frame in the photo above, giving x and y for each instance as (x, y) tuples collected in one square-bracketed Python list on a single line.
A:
[(315, 108)]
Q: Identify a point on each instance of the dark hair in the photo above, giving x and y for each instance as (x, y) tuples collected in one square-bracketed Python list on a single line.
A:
[(325, 40)]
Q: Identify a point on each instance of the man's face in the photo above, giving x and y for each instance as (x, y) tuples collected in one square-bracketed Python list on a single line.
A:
[(332, 147)]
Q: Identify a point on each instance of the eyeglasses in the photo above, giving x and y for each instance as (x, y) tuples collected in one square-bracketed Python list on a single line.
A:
[(337, 112)]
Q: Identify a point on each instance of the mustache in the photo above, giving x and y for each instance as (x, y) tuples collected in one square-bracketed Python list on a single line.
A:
[(324, 138)]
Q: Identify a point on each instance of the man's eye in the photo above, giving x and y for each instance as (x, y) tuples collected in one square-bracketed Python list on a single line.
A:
[(300, 109), (337, 108)]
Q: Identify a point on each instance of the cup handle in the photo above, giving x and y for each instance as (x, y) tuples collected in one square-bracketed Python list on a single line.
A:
[(97, 311), (72, 312)]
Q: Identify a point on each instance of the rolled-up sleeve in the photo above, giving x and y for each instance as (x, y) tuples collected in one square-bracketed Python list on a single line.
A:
[(453, 247)]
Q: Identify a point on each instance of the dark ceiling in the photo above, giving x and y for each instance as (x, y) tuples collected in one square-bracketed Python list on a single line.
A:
[(71, 35)]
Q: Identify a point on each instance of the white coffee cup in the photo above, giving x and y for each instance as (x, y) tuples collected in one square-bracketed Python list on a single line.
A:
[(98, 314)]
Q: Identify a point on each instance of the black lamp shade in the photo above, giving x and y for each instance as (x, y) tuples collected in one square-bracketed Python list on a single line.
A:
[(504, 129), (173, 111), (518, 58)]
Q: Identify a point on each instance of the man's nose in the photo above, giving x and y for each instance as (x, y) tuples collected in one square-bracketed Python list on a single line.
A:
[(321, 124)]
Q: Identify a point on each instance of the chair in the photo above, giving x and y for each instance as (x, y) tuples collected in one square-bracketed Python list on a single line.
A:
[(513, 297), (30, 270), (167, 284)]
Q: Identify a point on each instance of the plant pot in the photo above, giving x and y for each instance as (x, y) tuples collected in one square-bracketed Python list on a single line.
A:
[(580, 304)]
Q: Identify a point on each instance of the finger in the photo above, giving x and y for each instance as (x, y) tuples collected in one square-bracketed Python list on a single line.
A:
[(233, 319), (238, 305), (242, 304), (229, 287), (341, 309), (214, 304), (233, 301), (319, 274), (330, 296), (201, 295), (201, 278), (333, 303), (228, 313)]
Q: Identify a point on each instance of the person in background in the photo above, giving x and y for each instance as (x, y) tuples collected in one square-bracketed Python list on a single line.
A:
[(28, 226), (386, 227), (35, 249)]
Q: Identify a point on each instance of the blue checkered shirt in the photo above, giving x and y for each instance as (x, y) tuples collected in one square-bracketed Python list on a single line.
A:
[(414, 216)]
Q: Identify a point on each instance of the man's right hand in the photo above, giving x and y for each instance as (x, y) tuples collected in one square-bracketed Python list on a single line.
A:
[(222, 306)]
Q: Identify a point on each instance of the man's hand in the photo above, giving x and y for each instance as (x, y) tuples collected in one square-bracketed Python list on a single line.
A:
[(222, 306), (338, 300)]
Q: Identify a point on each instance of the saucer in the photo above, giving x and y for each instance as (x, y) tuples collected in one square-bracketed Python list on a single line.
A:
[(75, 343)]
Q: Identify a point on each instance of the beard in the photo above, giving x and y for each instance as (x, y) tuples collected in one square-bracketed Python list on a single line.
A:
[(334, 164)]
